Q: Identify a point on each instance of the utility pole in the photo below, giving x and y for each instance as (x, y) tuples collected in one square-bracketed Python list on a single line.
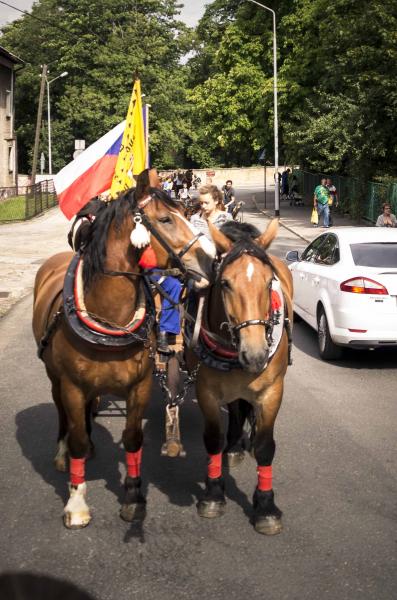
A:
[(38, 124)]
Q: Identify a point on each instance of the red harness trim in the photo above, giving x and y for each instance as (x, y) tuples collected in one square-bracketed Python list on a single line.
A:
[(133, 460), (217, 348), (94, 325), (214, 469), (77, 470)]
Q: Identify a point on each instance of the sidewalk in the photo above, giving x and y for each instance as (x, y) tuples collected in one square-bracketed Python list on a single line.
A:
[(23, 248), (297, 218)]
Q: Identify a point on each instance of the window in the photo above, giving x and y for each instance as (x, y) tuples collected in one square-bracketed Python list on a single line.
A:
[(8, 104), (11, 162), (375, 254), (328, 253), (311, 251)]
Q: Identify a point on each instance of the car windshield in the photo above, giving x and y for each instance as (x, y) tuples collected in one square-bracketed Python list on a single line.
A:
[(375, 254)]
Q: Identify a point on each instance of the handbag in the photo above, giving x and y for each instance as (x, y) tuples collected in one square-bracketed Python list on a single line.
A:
[(314, 217)]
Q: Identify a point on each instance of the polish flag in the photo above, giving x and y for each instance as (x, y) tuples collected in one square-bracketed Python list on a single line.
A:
[(90, 173)]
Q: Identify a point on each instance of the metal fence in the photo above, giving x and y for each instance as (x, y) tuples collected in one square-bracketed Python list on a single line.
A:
[(22, 203), (359, 199)]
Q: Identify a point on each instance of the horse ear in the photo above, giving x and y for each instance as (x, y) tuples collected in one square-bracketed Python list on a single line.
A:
[(268, 236), (222, 243)]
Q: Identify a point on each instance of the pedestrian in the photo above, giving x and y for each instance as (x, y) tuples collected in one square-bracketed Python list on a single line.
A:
[(229, 196), (167, 186), (184, 195), (333, 202), (79, 233), (386, 219), (285, 182), (212, 209), (178, 182), (321, 202)]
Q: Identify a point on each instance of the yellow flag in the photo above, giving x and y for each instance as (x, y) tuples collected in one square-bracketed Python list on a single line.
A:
[(132, 156)]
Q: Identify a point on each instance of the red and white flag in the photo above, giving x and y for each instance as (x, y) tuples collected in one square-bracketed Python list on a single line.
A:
[(90, 173)]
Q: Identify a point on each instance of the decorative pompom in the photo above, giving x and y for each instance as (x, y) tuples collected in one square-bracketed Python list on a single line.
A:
[(148, 259), (140, 236)]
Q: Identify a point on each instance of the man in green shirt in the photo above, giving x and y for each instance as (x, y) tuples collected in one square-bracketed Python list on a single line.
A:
[(321, 202)]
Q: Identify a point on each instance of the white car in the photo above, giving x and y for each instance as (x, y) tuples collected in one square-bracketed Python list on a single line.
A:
[(345, 287)]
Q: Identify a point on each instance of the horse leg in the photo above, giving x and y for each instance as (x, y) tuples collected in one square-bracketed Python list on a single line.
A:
[(213, 502), (61, 457), (234, 451), (76, 512), (134, 505), (267, 516)]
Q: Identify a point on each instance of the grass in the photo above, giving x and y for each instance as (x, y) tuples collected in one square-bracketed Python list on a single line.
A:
[(13, 209)]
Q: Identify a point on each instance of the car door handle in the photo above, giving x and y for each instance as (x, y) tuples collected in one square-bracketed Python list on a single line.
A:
[(316, 280), (302, 276)]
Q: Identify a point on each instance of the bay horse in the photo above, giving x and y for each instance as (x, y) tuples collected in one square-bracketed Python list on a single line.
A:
[(244, 348), (100, 339)]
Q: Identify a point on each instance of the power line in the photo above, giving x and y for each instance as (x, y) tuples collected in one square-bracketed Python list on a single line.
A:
[(47, 22)]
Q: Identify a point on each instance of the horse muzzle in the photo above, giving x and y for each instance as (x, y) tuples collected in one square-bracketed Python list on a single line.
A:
[(254, 361)]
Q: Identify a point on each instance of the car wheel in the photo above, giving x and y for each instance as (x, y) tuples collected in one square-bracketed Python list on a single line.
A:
[(328, 350)]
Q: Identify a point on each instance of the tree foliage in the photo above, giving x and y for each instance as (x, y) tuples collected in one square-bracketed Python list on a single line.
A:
[(337, 84), (101, 44)]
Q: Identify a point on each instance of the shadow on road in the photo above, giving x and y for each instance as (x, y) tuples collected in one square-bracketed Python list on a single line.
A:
[(305, 338), (180, 479), (36, 434)]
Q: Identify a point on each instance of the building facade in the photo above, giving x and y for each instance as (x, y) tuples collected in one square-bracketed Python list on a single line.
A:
[(9, 64)]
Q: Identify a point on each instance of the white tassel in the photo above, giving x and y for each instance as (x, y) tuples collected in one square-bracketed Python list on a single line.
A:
[(140, 236)]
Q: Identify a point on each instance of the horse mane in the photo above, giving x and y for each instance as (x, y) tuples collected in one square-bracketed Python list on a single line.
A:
[(114, 211), (243, 236)]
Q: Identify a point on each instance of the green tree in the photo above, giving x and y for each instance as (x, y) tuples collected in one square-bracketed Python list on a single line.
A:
[(101, 44)]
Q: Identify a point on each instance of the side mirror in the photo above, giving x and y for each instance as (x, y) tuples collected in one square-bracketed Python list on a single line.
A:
[(292, 256)]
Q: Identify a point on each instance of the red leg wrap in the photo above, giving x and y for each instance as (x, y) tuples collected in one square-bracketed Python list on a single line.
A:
[(214, 469), (134, 460), (265, 475), (77, 470)]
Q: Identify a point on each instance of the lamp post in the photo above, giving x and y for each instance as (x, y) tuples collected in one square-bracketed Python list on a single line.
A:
[(276, 183), (49, 119), (146, 121)]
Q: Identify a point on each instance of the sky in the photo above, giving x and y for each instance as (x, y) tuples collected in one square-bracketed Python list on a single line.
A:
[(191, 12)]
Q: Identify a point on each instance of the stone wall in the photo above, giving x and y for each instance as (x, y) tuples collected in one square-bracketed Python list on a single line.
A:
[(242, 177)]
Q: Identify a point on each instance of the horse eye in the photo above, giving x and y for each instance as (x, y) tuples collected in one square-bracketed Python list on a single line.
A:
[(165, 220), (225, 284)]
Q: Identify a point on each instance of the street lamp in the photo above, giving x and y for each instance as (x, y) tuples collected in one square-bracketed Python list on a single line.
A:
[(64, 74), (277, 187)]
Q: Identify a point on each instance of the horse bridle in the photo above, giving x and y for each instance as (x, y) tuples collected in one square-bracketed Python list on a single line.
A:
[(139, 216), (269, 323)]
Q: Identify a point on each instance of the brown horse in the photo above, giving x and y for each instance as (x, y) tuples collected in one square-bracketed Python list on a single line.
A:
[(81, 362), (244, 351)]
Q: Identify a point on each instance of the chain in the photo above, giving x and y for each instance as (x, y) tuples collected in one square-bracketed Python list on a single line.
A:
[(162, 376)]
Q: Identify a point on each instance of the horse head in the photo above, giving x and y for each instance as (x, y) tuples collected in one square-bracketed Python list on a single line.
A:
[(245, 279), (173, 239)]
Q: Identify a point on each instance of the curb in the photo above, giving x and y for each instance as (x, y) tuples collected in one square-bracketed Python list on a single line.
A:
[(269, 216)]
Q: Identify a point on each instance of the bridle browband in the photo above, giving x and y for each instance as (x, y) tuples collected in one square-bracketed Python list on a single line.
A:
[(268, 324)]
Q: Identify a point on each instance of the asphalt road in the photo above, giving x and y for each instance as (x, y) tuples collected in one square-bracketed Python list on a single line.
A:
[(334, 477)]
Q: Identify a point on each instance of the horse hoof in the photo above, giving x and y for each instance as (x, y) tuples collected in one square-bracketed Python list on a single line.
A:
[(233, 459), (269, 525), (76, 520), (133, 512), (211, 509)]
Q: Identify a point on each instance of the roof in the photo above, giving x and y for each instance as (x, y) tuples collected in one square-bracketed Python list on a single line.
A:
[(11, 57), (365, 234)]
